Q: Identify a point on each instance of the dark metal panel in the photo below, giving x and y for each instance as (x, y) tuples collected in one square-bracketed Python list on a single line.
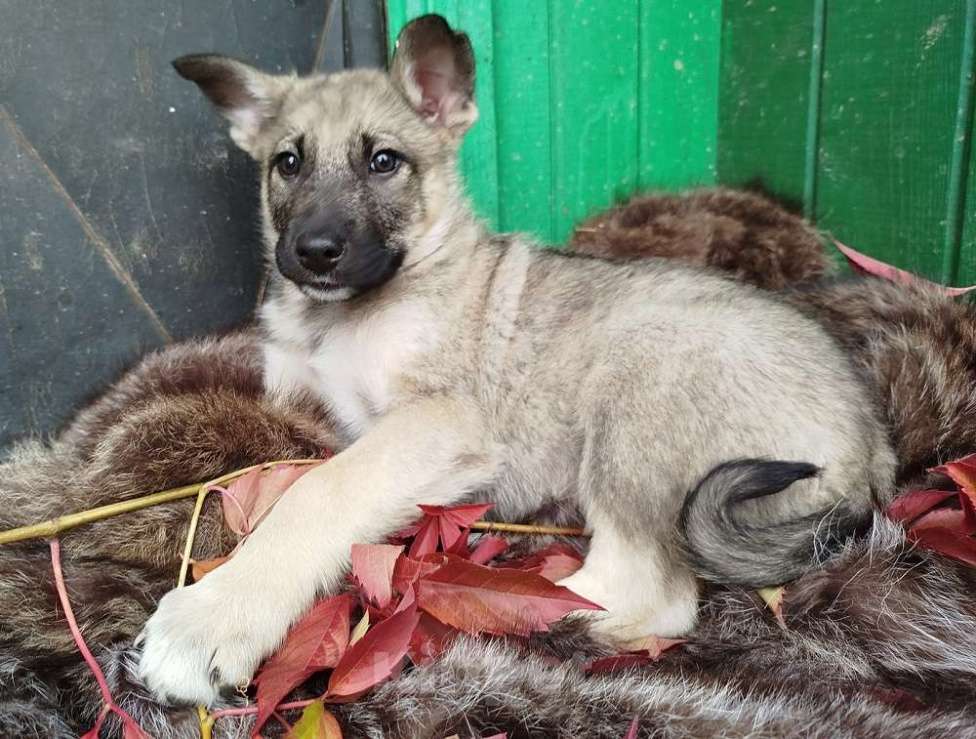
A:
[(125, 146)]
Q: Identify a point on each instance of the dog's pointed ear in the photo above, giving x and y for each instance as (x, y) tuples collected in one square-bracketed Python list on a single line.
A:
[(247, 97), (433, 67)]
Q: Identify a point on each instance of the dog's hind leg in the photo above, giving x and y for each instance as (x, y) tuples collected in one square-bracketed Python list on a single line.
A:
[(645, 588)]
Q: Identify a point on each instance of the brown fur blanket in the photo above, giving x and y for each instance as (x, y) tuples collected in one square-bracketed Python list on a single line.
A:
[(878, 640)]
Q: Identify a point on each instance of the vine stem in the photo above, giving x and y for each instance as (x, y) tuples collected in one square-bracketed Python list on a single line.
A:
[(55, 526)]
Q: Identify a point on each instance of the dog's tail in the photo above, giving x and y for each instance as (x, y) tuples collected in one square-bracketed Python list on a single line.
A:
[(725, 546)]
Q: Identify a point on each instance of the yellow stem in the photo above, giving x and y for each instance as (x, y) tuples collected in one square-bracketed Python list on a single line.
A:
[(54, 526), (191, 534), (206, 723), (523, 528)]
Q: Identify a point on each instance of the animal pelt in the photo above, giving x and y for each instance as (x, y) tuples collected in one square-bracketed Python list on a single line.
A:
[(913, 344), (878, 639), (736, 231)]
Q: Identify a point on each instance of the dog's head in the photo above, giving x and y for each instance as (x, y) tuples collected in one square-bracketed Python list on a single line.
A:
[(358, 168)]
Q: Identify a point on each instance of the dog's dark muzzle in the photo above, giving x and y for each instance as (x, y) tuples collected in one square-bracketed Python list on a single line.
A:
[(328, 257)]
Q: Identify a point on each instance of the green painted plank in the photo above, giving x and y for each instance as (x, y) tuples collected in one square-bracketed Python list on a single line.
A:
[(521, 76), (593, 71), (678, 92), (967, 250), (891, 83), (959, 257), (479, 152), (764, 94)]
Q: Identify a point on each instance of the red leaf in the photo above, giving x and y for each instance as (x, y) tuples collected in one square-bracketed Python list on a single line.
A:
[(963, 473), (554, 562), (908, 507), (373, 658), (617, 662), (479, 599), (430, 639), (488, 548), (865, 265), (408, 570), (315, 643), (202, 567), (94, 731), (654, 646), (452, 521), (249, 498), (372, 566), (132, 730), (425, 540), (951, 519), (948, 543)]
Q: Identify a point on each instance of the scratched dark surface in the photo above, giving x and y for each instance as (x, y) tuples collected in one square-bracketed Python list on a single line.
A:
[(127, 217)]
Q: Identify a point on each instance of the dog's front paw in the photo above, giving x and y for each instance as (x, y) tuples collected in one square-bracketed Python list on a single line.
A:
[(204, 641)]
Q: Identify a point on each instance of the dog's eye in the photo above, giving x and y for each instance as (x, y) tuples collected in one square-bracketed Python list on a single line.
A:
[(385, 161), (288, 164)]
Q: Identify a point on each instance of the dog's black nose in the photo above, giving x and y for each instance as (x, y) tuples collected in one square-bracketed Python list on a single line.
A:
[(318, 254)]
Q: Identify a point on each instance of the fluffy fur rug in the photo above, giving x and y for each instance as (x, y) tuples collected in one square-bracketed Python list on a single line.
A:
[(879, 640)]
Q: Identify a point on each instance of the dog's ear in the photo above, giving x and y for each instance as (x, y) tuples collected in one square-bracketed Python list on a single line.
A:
[(247, 97), (433, 67)]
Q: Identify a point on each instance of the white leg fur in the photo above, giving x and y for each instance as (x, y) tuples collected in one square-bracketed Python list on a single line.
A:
[(644, 593), (212, 635)]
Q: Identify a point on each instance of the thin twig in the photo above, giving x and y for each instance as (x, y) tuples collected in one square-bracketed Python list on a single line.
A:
[(525, 528), (54, 526), (191, 533)]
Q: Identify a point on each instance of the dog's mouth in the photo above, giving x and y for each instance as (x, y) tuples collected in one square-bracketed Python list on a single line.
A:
[(326, 293)]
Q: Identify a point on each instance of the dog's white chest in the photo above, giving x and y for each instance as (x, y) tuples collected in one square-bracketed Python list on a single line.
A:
[(356, 366)]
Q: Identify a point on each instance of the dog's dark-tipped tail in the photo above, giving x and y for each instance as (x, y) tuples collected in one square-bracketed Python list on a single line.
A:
[(726, 547)]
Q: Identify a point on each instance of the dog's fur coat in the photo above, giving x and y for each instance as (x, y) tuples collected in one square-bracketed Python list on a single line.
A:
[(878, 619)]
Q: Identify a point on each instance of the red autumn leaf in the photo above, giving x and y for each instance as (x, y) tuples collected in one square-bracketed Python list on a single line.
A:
[(951, 519), (95, 730), (632, 731), (249, 498), (617, 662), (487, 549), (908, 507), (315, 643), (451, 521), (460, 546), (863, 264), (554, 562), (425, 538), (132, 730), (408, 570), (375, 657), (654, 646), (373, 566), (430, 639), (201, 567), (963, 473), (947, 542), (478, 599)]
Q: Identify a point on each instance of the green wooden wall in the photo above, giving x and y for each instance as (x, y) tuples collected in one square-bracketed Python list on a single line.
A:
[(860, 109)]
